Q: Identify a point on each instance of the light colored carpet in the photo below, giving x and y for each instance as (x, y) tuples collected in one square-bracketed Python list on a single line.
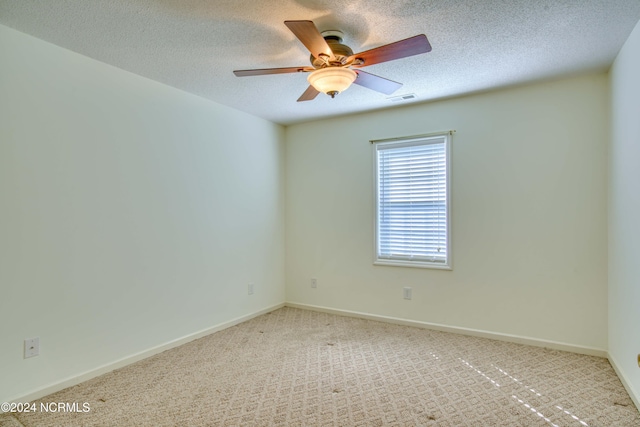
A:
[(303, 368)]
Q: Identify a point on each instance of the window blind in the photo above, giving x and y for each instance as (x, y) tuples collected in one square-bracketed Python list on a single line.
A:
[(412, 200)]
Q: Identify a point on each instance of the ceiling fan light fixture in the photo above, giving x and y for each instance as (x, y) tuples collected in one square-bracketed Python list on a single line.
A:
[(332, 80)]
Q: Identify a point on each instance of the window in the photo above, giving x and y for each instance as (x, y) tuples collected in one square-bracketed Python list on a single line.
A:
[(412, 201)]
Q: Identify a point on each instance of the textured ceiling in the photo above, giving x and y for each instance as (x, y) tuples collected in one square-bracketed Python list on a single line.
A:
[(194, 45)]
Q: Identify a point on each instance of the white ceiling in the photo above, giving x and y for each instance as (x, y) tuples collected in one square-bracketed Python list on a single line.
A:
[(194, 45)]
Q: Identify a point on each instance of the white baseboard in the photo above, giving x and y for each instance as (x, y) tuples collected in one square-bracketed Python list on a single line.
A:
[(635, 397), (77, 379), (458, 330)]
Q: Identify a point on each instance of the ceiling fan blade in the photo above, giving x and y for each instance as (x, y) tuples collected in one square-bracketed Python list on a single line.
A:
[(260, 72), (400, 49), (308, 94), (377, 83), (309, 35)]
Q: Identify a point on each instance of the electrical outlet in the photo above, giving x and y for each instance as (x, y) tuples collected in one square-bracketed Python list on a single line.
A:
[(31, 347), (406, 293), (314, 283), (250, 288)]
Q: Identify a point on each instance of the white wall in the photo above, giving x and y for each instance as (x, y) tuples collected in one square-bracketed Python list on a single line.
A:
[(528, 209), (624, 214), (131, 213)]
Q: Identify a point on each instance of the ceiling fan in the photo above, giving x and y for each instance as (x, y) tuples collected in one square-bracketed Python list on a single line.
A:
[(334, 66)]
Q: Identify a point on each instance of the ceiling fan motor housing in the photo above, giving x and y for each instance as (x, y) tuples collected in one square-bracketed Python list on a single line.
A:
[(340, 51)]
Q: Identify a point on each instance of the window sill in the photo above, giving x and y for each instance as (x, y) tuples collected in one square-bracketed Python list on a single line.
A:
[(414, 264)]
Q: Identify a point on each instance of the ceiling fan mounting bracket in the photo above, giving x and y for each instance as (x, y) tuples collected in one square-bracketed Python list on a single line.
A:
[(336, 35)]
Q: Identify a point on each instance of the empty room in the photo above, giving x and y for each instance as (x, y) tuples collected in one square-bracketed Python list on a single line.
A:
[(310, 212)]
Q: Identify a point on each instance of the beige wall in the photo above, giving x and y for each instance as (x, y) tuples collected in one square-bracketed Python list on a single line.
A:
[(528, 214), (132, 214), (624, 214)]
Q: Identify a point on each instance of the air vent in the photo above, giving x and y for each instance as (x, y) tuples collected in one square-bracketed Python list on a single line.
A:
[(402, 98)]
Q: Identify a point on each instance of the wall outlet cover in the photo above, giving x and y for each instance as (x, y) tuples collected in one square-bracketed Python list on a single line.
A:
[(31, 347)]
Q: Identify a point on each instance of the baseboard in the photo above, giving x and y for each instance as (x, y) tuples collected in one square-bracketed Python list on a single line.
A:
[(77, 379), (458, 330), (635, 397)]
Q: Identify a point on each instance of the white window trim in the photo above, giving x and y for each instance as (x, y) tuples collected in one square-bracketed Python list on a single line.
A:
[(405, 263)]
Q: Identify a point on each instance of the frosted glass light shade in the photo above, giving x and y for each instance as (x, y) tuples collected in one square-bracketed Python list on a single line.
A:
[(332, 80)]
